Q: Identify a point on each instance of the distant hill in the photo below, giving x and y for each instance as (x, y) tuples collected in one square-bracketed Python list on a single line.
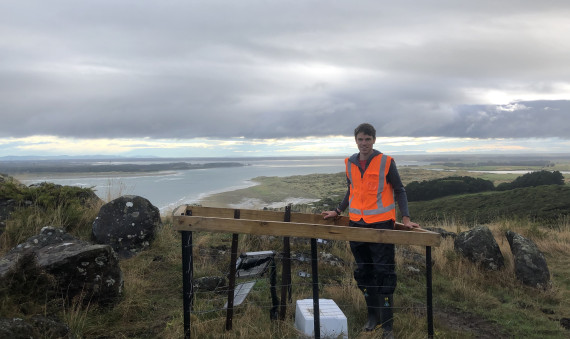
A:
[(71, 167), (57, 157), (543, 204)]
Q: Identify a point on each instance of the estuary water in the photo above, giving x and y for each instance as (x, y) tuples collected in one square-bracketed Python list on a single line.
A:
[(168, 190)]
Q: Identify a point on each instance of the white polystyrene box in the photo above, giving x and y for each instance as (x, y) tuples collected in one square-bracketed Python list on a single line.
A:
[(332, 320)]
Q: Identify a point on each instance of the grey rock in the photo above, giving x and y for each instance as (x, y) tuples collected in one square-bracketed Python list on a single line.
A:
[(413, 261), (37, 326), (413, 270), (324, 257), (17, 328), (530, 265), (479, 246), (565, 322), (51, 327), (210, 283), (410, 255), (7, 206), (444, 233), (81, 269), (331, 259), (300, 256), (128, 224)]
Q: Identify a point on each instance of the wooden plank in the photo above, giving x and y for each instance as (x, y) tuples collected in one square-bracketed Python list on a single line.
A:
[(257, 215), (180, 210), (305, 230), (271, 216), (306, 218), (228, 213)]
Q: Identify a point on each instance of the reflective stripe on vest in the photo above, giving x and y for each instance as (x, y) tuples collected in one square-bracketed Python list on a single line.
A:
[(383, 206)]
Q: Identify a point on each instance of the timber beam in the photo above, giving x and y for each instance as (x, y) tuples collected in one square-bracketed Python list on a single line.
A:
[(209, 219)]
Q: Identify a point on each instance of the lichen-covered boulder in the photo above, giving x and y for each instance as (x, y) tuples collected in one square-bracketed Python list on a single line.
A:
[(17, 328), (128, 224), (210, 284), (6, 207), (90, 272), (38, 326), (479, 246), (565, 322), (444, 233), (530, 265)]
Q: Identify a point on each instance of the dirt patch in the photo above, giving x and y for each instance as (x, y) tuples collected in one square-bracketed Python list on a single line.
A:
[(463, 322)]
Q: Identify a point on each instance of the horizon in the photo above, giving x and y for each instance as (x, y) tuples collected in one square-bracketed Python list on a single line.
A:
[(243, 147), (95, 157)]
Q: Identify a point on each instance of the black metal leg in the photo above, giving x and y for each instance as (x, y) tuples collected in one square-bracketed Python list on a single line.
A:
[(286, 273), (232, 282), (429, 292), (232, 277), (274, 312), (187, 277), (315, 272)]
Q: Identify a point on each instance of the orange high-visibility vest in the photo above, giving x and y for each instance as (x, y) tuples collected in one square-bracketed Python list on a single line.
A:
[(371, 196)]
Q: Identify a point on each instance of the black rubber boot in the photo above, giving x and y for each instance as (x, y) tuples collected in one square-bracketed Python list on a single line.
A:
[(387, 315), (373, 308)]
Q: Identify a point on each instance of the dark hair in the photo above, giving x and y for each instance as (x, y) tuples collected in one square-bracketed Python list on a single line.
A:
[(366, 129)]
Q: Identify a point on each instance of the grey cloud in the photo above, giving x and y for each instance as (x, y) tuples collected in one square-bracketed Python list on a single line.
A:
[(226, 69), (524, 119)]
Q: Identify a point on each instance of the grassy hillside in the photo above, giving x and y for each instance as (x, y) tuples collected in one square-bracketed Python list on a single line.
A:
[(468, 302), (546, 205)]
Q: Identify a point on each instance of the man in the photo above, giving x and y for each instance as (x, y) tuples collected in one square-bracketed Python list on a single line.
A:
[(373, 182)]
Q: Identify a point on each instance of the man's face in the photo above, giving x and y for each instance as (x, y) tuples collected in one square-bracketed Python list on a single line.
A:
[(365, 144)]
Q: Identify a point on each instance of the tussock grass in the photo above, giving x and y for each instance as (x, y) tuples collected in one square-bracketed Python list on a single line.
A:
[(75, 315), (115, 188)]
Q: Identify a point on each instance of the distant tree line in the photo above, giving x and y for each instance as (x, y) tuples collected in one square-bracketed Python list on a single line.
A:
[(540, 163), (533, 179), (437, 188)]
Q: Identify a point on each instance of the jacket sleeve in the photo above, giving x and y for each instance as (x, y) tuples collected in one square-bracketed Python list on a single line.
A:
[(400, 193), (344, 203)]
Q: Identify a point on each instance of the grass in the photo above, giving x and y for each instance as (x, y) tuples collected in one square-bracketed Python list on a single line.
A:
[(152, 303), (71, 208), (544, 205), (516, 310), (468, 301)]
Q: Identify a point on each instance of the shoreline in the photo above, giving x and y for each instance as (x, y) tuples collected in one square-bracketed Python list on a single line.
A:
[(277, 192), (100, 175), (250, 203)]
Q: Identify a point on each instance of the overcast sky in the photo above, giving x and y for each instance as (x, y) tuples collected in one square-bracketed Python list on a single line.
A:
[(231, 78)]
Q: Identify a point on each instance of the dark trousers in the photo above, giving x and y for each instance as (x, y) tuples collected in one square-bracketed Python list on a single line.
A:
[(375, 271)]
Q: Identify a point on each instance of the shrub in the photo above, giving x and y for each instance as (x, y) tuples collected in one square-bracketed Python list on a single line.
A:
[(532, 179), (437, 188), (72, 208)]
